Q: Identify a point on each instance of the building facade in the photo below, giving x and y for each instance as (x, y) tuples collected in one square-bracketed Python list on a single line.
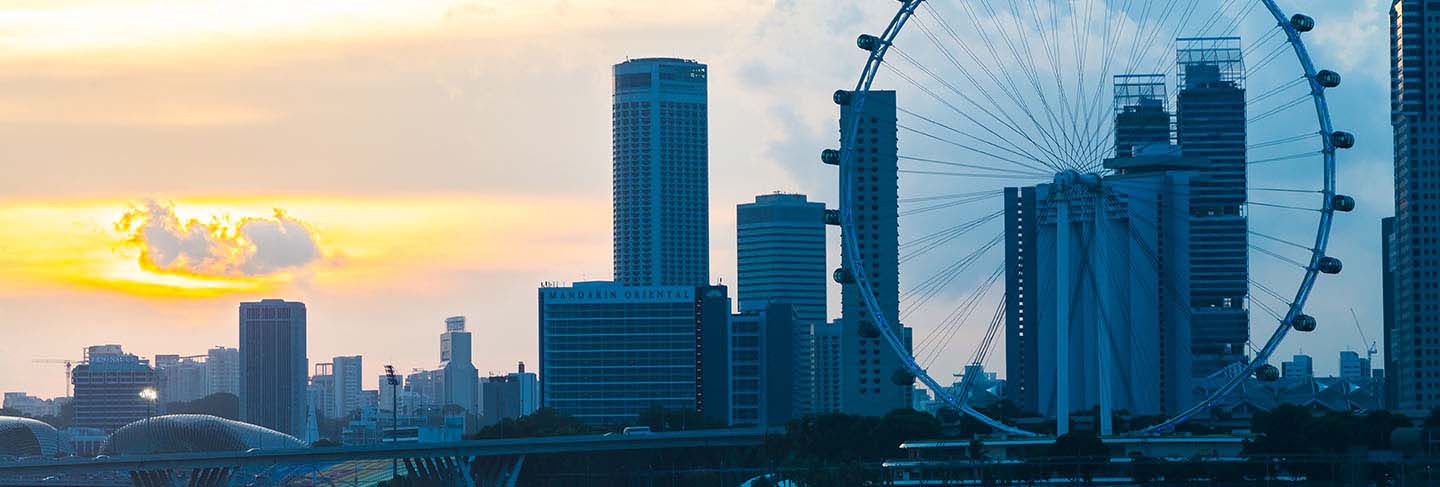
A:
[(222, 370), (1210, 123), (661, 173), (509, 396), (608, 351), (274, 366), (1390, 387), (461, 386), (874, 381), (182, 378), (763, 387), (828, 360), (108, 384), (780, 258), (348, 383), (1414, 340), (1301, 366)]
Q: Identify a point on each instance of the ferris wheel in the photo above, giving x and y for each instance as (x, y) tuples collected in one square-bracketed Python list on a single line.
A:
[(1127, 191)]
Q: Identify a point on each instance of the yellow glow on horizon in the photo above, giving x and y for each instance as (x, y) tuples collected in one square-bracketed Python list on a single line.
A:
[(364, 241)]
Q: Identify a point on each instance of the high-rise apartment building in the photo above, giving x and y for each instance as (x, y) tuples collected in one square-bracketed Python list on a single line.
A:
[(181, 378), (661, 173), (107, 388), (874, 381), (321, 393), (1414, 341), (1210, 124), (222, 370), (348, 383), (1352, 366), (273, 365), (609, 352), (461, 382)]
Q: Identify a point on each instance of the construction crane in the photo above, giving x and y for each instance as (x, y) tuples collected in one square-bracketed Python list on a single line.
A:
[(69, 364), (1370, 353)]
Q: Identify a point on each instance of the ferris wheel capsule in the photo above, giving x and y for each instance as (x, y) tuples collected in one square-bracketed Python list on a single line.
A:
[(1302, 22), (1330, 265), (841, 97), (832, 217), (1267, 373), (1328, 78), (868, 42), (1303, 323), (1342, 139), (1342, 203), (831, 157)]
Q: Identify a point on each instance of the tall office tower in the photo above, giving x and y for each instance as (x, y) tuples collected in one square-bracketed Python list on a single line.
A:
[(461, 381), (1301, 366), (222, 370), (780, 258), (348, 383), (827, 367), (780, 254), (107, 388), (1210, 124), (874, 381), (1390, 390), (1123, 280), (661, 173), (609, 352), (181, 378), (1415, 339), (273, 365)]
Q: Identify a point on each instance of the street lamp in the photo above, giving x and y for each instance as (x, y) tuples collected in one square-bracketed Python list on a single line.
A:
[(394, 382), (149, 394)]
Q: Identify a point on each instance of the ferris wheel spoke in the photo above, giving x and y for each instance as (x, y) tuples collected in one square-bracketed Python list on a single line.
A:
[(1290, 157), (939, 340), (1278, 256), (1028, 159), (917, 297), (1050, 160), (941, 206), (921, 199), (951, 232), (1008, 88), (1283, 141)]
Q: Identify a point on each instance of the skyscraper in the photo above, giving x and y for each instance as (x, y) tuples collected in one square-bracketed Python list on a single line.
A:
[(874, 381), (461, 381), (348, 382), (609, 352), (661, 173), (107, 388), (1210, 123), (1414, 341), (181, 378), (273, 375), (1352, 366), (780, 254), (1301, 366), (780, 258)]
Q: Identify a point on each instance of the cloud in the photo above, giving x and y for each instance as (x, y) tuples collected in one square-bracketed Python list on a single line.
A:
[(251, 247)]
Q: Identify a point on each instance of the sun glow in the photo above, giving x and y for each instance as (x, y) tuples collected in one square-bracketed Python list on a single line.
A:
[(358, 242)]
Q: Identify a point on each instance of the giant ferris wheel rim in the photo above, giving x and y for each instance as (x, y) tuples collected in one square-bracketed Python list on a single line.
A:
[(864, 85)]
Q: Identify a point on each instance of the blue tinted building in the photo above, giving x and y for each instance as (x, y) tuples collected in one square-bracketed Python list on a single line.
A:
[(273, 365), (609, 352)]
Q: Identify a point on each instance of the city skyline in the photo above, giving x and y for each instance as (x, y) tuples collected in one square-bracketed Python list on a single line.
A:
[(491, 279)]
